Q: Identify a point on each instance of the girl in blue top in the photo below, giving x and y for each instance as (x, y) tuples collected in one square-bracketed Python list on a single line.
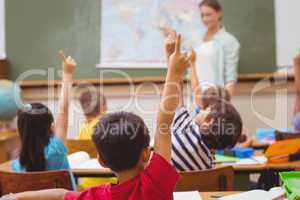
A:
[(42, 140), (41, 148)]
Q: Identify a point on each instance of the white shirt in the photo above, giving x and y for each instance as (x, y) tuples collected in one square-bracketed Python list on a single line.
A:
[(206, 61)]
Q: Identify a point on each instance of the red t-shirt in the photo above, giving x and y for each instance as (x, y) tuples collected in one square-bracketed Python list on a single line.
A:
[(157, 182)]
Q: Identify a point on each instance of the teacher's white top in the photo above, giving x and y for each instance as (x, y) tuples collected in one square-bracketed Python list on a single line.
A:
[(206, 56), (217, 60)]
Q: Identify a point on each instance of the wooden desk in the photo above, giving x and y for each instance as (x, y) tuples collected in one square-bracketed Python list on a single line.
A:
[(258, 168), (6, 167), (9, 143), (92, 173), (238, 169), (209, 195), (77, 172)]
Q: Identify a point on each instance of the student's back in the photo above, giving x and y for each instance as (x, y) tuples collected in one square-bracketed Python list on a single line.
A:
[(94, 107), (93, 104), (42, 139), (146, 185), (55, 155)]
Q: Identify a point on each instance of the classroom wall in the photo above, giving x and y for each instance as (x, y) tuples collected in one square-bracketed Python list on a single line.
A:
[(2, 30), (287, 17), (37, 29)]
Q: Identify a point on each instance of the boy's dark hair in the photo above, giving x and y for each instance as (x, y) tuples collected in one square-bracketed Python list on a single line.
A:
[(92, 102), (120, 139), (34, 127), (213, 94), (227, 126), (213, 4)]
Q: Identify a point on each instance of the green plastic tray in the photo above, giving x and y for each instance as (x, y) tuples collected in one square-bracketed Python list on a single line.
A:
[(291, 184)]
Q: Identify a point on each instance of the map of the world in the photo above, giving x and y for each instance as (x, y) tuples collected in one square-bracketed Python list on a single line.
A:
[(133, 31)]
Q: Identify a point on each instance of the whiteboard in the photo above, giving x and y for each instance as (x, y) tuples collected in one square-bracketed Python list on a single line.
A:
[(132, 33), (287, 31), (2, 30)]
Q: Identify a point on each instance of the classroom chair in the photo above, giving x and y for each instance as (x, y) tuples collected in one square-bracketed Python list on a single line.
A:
[(218, 179), (279, 135), (11, 182), (82, 145)]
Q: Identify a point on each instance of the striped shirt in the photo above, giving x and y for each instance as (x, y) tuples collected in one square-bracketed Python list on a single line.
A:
[(189, 153)]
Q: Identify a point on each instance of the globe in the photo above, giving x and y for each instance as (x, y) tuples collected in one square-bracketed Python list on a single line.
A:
[(10, 100)]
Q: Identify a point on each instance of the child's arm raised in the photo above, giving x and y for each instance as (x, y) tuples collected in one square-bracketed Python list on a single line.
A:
[(194, 78), (170, 43), (61, 124), (177, 65)]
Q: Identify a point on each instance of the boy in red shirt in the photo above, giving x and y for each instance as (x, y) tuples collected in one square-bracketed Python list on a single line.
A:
[(122, 141)]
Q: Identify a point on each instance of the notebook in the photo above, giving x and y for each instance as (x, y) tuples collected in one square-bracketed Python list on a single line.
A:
[(248, 161), (273, 194), (82, 160), (187, 196)]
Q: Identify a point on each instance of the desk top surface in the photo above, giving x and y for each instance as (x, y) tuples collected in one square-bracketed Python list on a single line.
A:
[(213, 195), (6, 135), (237, 168)]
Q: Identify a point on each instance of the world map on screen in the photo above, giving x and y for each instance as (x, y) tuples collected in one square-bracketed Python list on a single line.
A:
[(133, 31)]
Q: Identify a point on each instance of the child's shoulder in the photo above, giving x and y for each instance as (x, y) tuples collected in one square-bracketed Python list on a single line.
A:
[(55, 146)]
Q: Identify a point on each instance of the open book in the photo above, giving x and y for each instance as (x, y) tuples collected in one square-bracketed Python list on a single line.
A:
[(82, 160), (273, 194)]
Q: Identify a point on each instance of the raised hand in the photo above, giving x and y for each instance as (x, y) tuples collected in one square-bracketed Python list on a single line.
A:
[(192, 57), (170, 43), (69, 64), (179, 61)]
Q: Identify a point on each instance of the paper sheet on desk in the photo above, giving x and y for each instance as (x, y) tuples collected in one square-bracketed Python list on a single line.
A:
[(274, 194), (81, 160), (252, 161), (187, 196), (90, 164), (78, 158), (249, 161)]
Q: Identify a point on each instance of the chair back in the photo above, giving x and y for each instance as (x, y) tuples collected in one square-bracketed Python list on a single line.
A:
[(218, 179), (82, 145), (11, 182)]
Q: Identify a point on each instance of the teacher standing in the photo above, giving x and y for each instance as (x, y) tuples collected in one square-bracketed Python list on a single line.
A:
[(218, 51)]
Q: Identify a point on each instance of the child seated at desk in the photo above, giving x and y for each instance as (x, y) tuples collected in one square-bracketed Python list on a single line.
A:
[(94, 107), (194, 139), (122, 140), (217, 126), (204, 97), (42, 142)]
